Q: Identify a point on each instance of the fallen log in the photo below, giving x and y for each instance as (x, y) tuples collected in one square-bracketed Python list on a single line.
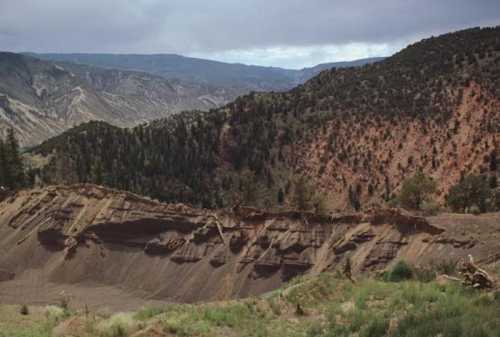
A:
[(474, 276)]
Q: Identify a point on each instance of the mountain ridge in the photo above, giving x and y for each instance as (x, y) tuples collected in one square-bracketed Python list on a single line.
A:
[(244, 76), (354, 133), (72, 93), (40, 99)]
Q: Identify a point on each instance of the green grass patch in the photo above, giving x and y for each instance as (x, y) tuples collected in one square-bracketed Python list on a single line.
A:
[(332, 307)]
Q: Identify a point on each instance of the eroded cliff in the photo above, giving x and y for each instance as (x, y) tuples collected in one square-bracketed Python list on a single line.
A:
[(94, 236)]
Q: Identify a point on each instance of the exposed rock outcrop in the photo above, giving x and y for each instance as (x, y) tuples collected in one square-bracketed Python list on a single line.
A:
[(41, 99), (86, 233)]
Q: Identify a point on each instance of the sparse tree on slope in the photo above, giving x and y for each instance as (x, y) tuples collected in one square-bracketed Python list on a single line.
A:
[(471, 191), (416, 190)]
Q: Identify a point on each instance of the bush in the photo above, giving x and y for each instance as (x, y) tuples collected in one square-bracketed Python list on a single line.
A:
[(303, 195), (416, 191), (430, 207), (147, 313), (472, 194), (24, 310), (400, 272), (425, 274), (118, 325), (116, 330), (448, 267), (376, 327)]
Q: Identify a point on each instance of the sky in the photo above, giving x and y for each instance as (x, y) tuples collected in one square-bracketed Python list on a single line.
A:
[(285, 33)]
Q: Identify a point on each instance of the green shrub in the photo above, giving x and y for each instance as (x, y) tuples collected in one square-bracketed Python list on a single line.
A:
[(424, 274), (314, 329), (275, 306), (448, 267), (116, 330), (147, 313), (400, 272), (416, 191), (24, 310), (118, 325), (230, 316), (377, 327), (472, 194)]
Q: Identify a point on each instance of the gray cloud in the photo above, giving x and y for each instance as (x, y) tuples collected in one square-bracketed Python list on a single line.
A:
[(217, 27)]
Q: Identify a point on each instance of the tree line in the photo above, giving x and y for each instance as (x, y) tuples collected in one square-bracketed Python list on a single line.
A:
[(472, 194)]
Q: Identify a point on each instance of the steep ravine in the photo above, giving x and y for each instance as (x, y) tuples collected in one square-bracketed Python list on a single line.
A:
[(98, 238)]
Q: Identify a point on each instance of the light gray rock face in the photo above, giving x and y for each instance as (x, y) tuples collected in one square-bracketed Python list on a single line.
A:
[(40, 99)]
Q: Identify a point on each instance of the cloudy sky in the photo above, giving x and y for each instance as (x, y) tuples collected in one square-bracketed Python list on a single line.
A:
[(287, 33)]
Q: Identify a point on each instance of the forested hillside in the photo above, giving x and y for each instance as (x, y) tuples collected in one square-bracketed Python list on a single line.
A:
[(345, 139)]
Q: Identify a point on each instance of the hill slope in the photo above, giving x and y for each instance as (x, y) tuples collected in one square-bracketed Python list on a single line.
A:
[(92, 241), (41, 99), (356, 133)]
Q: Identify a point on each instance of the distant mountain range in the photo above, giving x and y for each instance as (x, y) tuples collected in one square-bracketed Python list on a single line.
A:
[(240, 77), (42, 98)]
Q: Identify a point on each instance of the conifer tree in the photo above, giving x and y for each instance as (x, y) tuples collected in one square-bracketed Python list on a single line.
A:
[(15, 170)]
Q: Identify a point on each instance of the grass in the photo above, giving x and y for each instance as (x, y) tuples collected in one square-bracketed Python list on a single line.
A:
[(119, 325), (147, 313), (332, 306), (37, 322)]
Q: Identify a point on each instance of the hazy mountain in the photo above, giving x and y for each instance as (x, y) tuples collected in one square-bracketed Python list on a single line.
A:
[(41, 99), (305, 74), (355, 133), (244, 78)]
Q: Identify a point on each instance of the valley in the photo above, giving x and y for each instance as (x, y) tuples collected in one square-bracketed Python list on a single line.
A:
[(160, 195), (41, 99)]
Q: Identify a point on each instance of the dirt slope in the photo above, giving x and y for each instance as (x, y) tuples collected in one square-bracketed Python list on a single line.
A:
[(102, 245)]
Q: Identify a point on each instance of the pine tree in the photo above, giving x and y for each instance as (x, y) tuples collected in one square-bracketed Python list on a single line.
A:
[(493, 161), (281, 196), (353, 195), (303, 195), (13, 169)]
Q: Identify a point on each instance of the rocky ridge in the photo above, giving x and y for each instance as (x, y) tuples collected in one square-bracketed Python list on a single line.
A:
[(41, 99), (89, 234)]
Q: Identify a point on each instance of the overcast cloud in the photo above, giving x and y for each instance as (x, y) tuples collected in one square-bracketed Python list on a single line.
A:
[(290, 33)]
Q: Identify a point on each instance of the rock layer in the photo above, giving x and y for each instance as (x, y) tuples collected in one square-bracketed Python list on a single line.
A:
[(86, 234)]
